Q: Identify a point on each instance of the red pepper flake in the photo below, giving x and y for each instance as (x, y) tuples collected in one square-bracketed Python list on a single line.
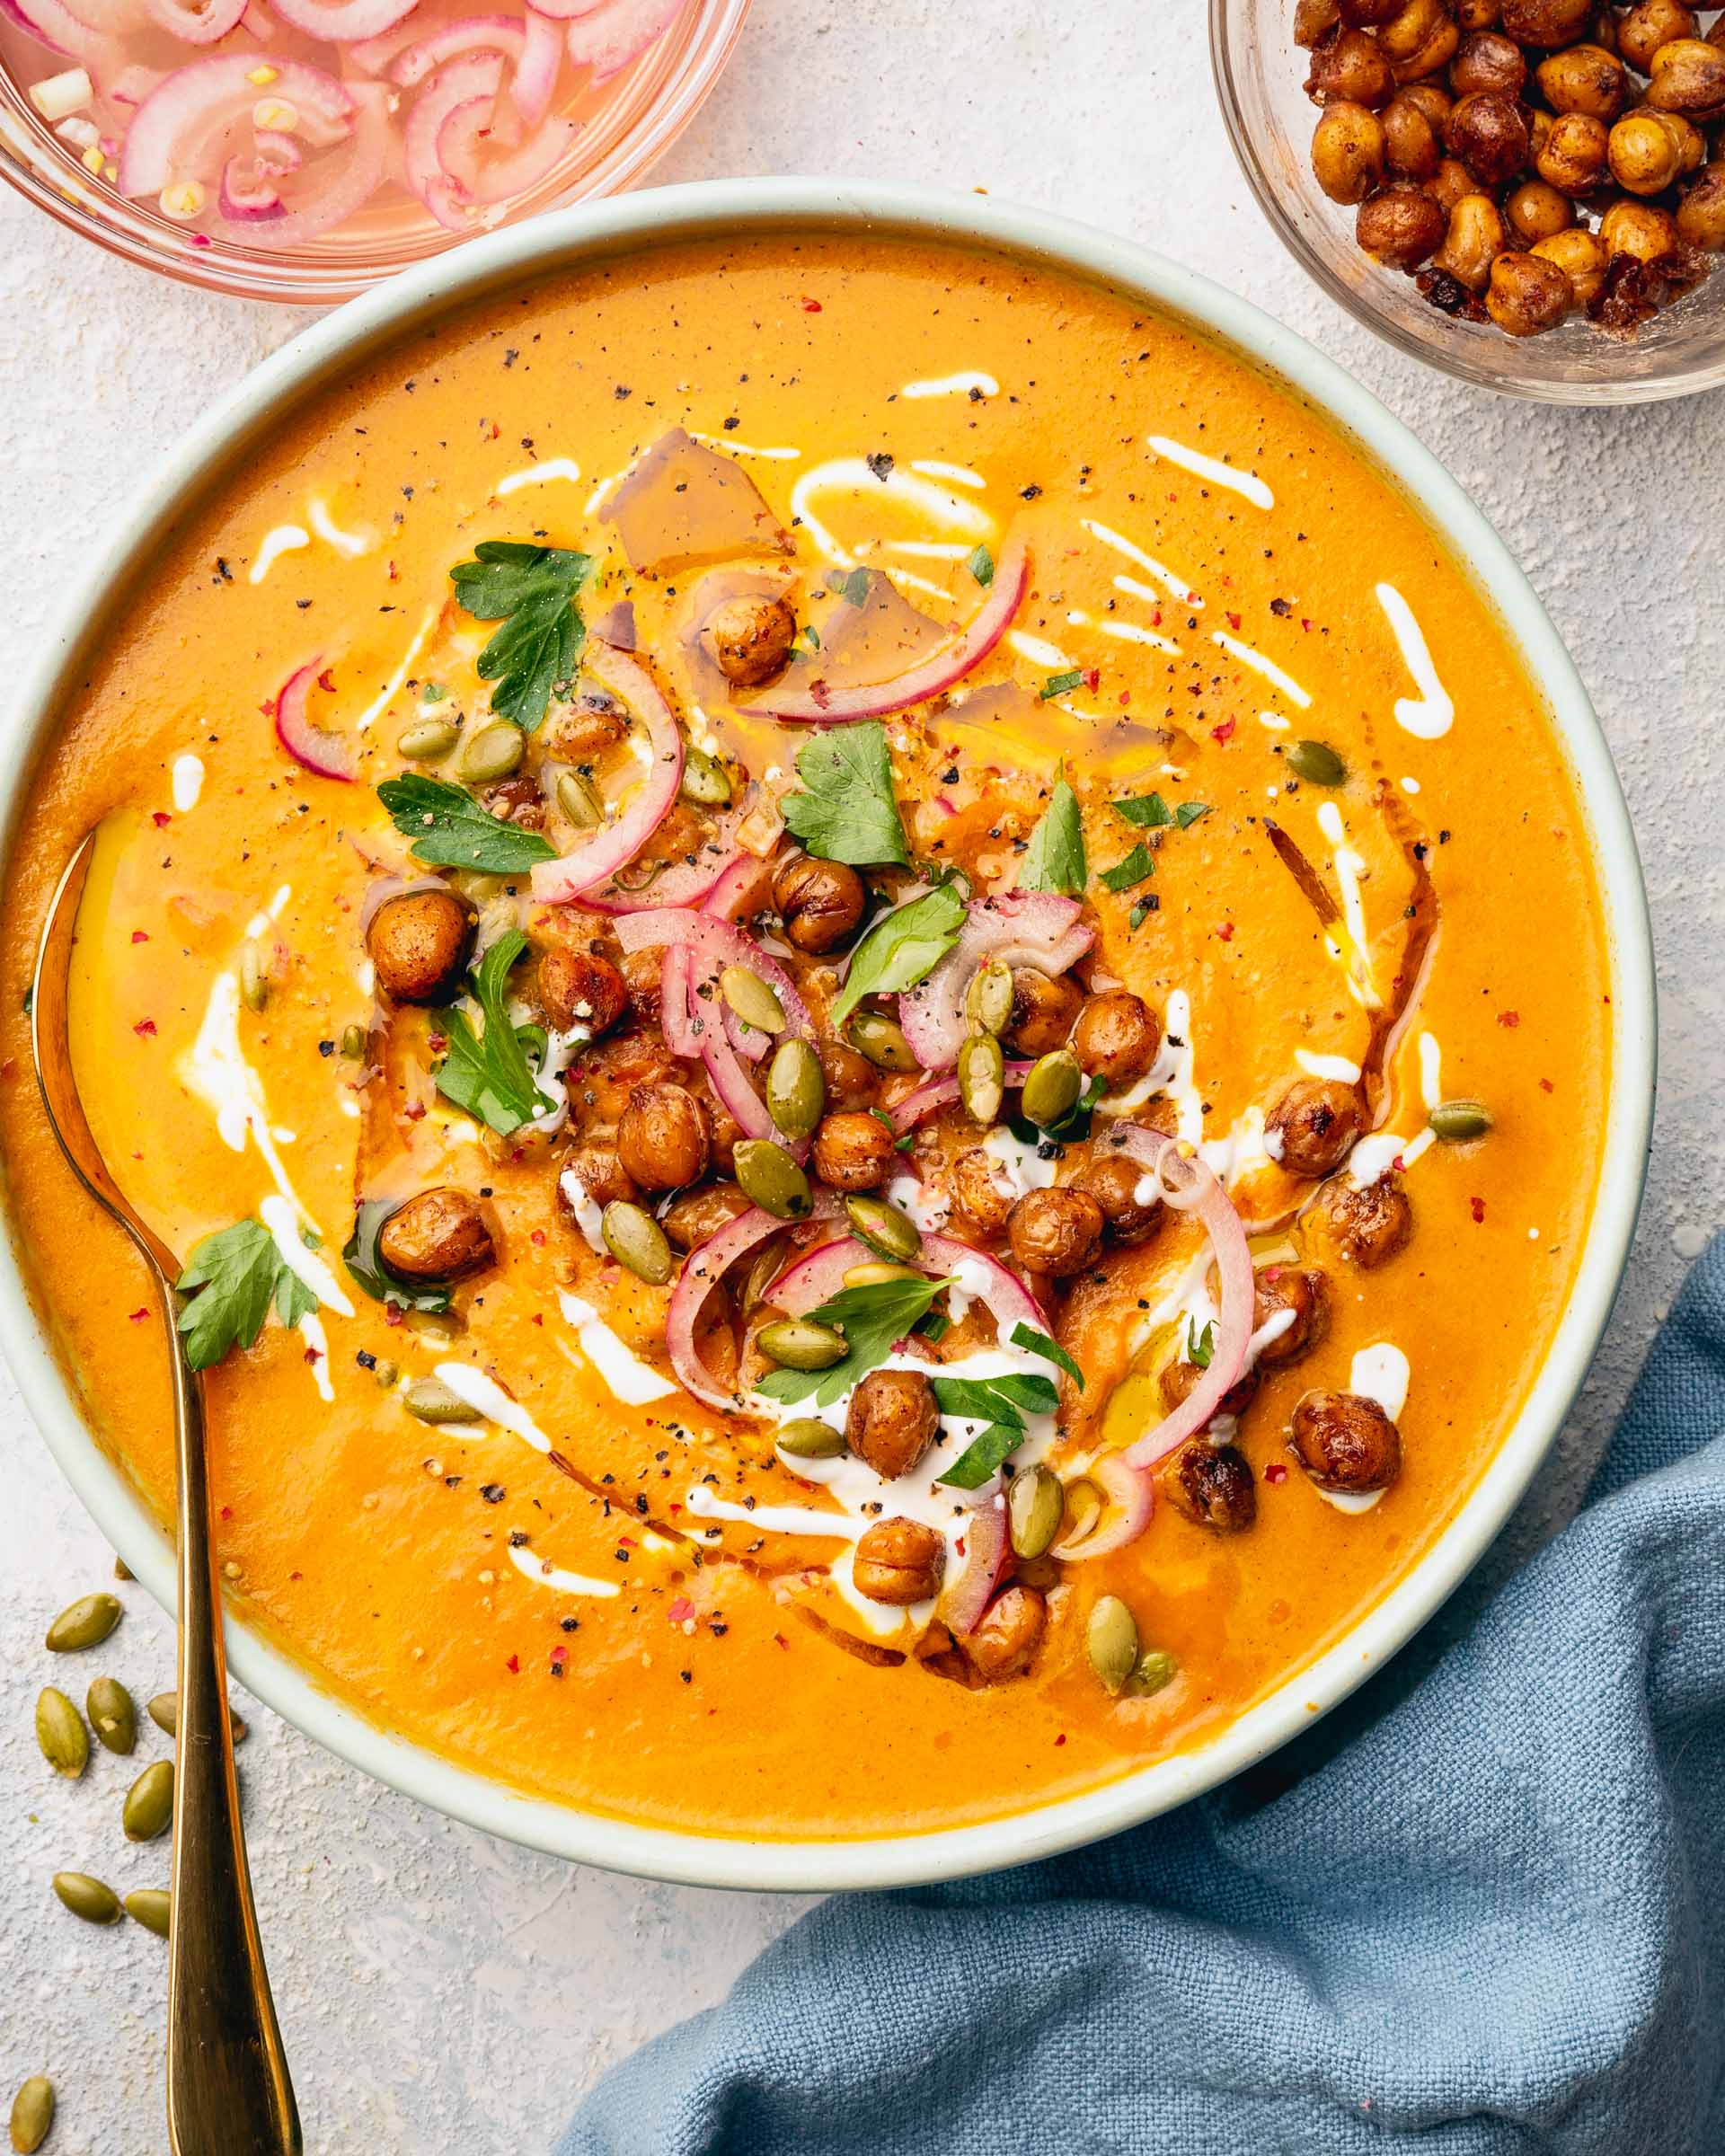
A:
[(1060, 1740), (1276, 1472), (1093, 679), (537, 1238), (513, 1665), (227, 1514), (394, 574), (1226, 931), (681, 1610), (1476, 1207), (1510, 1018), (393, 1313), (1125, 697), (1233, 622), (1225, 732), (326, 680), (1304, 624), (625, 1541), (811, 306), (437, 1044), (160, 818), (139, 1316), (140, 935), (1398, 1165), (414, 1111), (779, 1639), (538, 1317), (1546, 1086), (146, 1029), (313, 1355)]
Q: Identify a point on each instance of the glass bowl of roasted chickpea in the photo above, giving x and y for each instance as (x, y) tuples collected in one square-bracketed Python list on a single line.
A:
[(1529, 194)]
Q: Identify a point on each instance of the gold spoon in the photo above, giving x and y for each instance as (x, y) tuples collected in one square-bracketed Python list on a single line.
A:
[(228, 2087)]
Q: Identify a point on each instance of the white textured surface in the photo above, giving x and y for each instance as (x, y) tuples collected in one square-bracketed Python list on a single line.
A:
[(439, 1990)]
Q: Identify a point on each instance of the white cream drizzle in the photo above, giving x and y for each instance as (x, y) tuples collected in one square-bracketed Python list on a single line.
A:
[(352, 545), (1206, 467), (1432, 1070), (1350, 866), (217, 1070), (736, 448), (589, 507), (1380, 1372), (1127, 632), (1271, 672), (188, 782), (283, 539), (1039, 653), (487, 1398), (1338, 1067), (960, 475), (1429, 715), (853, 476), (953, 385), (538, 475), (924, 1203), (1170, 579), (630, 1380), (543, 1573), (1019, 1167), (931, 549), (588, 1211), (380, 703), (317, 1353), (284, 1221)]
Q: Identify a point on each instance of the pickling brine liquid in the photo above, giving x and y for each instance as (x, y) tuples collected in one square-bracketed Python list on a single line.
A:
[(355, 127)]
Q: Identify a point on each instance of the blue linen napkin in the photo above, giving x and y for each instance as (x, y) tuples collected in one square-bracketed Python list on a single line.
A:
[(1482, 1914)]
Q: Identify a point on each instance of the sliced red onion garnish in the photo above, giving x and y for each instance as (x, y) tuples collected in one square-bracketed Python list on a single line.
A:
[(817, 1277), (532, 87), (617, 625), (614, 845), (1132, 1498), (470, 131), (334, 188), (702, 1269), (179, 129), (249, 192), (562, 12), (341, 21), (681, 882), (472, 79), (607, 38), (52, 25), (990, 622), (1020, 928), (744, 888), (676, 1021), (329, 754), (500, 34), (198, 25), (938, 1094), (986, 1550), (1010, 1302)]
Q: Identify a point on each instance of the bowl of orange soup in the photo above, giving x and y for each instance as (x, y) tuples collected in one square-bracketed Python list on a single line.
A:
[(892, 999)]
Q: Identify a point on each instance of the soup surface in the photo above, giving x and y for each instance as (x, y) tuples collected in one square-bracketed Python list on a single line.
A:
[(801, 1101)]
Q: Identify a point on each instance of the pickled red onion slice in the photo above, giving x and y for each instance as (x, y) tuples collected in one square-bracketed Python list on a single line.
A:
[(336, 186), (685, 880), (986, 1549), (198, 25), (1132, 1498), (471, 128), (941, 1092), (50, 23), (328, 754), (1020, 928), (503, 34), (475, 78), (534, 82), (702, 1269), (607, 38), (615, 845), (341, 21), (180, 128)]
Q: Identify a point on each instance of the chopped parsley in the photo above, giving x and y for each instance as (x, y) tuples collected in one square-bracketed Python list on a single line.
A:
[(873, 1319), (1000, 1402), (1201, 1346), (1061, 685), (231, 1278), (450, 830), (1055, 859), (981, 565), (489, 1075), (1150, 812), (1051, 1351), (849, 812), (855, 588), (531, 590), (902, 948)]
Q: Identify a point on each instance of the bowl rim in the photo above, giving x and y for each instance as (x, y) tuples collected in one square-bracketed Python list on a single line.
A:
[(563, 240)]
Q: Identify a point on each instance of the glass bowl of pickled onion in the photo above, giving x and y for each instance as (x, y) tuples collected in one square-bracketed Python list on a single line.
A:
[(304, 150)]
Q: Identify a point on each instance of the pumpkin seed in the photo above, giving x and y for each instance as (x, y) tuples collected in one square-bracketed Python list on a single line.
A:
[(123, 1570), (883, 1227), (1154, 1670), (705, 778), (881, 1039), (430, 1400), (61, 1734), (493, 753), (796, 1089), (635, 1239), (752, 999), (1316, 763), (1052, 1087), (427, 740), (800, 1343), (1111, 1640), (768, 1174), (878, 1270), (164, 1711), (1035, 1505), (809, 1438), (988, 1000), (387, 1376), (112, 1715), (33, 2114), (150, 1906), (982, 1077), (149, 1802), (1459, 1119), (254, 978), (578, 801), (86, 1623), (764, 1270), (87, 1897), (355, 1043)]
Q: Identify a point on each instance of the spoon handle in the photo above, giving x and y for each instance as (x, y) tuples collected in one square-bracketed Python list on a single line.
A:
[(228, 2087)]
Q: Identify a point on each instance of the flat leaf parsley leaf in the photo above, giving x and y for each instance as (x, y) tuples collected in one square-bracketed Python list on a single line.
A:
[(489, 1075), (1051, 1351), (1132, 869), (902, 947), (531, 590), (231, 1278), (1055, 859), (873, 1319), (360, 1256), (450, 830), (999, 1402), (849, 812)]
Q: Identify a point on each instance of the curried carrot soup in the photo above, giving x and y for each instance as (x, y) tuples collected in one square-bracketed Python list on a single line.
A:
[(873, 1011)]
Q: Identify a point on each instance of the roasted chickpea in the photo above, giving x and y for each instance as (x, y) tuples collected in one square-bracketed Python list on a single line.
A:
[(691, 1218), (1644, 153), (1477, 15), (1055, 1232), (1306, 1291), (1578, 253), (439, 1235), (1488, 133), (851, 1080), (1347, 67), (1701, 220), (1117, 1036), (1004, 1643), (1572, 157), (1347, 151), (899, 1561), (1689, 77), (664, 1139), (1313, 19), (749, 639), (1652, 23), (1412, 28), (1586, 79), (853, 1151), (419, 942), (1448, 184), (1536, 211), (1044, 1006), (1212, 1484), (1345, 1442), (1367, 1222), (599, 1084), (978, 1193), (1487, 60), (1475, 241), (595, 1167), (726, 1131), (891, 1421), (1366, 14), (642, 977), (580, 988), (1528, 293), (1638, 228), (820, 902), (1433, 57), (1114, 1179), (1401, 225), (516, 800), (1180, 1379), (1547, 22), (1413, 142), (1317, 1121)]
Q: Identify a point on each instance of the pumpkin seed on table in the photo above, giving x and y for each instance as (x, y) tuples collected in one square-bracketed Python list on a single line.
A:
[(1456, 1120), (800, 1344), (61, 1734), (796, 1089), (754, 1000), (1316, 763), (809, 1438), (578, 801), (884, 1227), (1035, 1507), (1051, 1088), (82, 1625), (123, 1570), (33, 2114), (493, 751), (988, 1000), (112, 1714), (1111, 1641), (149, 1802), (705, 778), (882, 1040), (637, 1242), (766, 1173), (86, 1898), (430, 1400), (427, 740), (982, 1077), (164, 1711), (151, 1906)]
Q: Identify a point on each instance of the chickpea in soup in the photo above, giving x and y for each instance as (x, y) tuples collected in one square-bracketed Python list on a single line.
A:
[(872, 1008)]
